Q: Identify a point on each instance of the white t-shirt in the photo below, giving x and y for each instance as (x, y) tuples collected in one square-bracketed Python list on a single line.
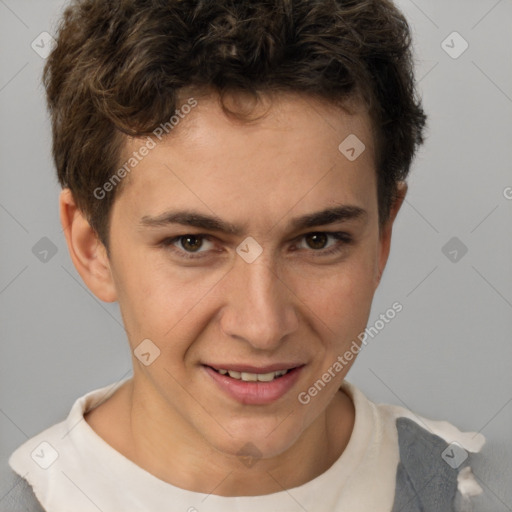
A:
[(71, 468)]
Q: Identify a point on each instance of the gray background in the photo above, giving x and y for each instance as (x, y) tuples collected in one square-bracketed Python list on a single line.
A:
[(447, 355)]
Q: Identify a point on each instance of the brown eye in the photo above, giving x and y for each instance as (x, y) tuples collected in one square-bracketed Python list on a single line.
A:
[(189, 246), (191, 243), (326, 243), (316, 240)]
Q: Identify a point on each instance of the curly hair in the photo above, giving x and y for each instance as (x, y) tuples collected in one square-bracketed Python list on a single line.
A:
[(120, 66)]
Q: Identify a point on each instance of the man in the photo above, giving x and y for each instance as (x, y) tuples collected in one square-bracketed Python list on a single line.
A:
[(231, 173)]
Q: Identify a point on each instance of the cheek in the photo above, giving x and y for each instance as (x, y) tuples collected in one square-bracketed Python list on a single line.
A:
[(159, 301), (340, 299), (142, 296)]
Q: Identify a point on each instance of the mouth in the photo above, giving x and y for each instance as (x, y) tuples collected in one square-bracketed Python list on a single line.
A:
[(252, 377), (253, 385)]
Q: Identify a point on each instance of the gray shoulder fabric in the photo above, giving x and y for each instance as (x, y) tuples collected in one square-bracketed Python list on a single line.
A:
[(492, 468), (17, 495), (424, 481)]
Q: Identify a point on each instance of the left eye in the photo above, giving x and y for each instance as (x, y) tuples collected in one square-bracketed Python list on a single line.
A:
[(319, 241)]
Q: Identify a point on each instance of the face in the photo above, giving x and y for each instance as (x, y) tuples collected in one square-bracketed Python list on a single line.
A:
[(241, 250)]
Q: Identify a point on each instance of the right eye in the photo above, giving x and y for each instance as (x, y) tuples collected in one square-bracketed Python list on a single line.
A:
[(186, 246)]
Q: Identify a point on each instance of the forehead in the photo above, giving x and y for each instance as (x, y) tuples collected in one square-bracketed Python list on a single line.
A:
[(288, 150), (244, 119)]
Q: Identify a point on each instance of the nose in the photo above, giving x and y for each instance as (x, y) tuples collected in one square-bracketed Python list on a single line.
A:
[(260, 308)]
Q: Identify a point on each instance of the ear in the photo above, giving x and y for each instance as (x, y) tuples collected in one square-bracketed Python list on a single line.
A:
[(87, 252), (386, 230)]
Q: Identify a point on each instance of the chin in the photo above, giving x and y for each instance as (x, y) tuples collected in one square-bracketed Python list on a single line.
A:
[(264, 438)]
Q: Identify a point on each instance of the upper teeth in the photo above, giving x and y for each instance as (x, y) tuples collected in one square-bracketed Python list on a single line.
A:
[(253, 377)]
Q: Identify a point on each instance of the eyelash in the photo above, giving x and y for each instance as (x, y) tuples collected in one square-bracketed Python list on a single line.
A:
[(342, 237)]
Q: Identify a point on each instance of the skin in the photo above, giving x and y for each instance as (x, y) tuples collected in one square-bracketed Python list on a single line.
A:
[(292, 304)]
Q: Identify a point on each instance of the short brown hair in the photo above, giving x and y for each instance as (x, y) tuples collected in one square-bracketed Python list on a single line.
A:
[(119, 67)]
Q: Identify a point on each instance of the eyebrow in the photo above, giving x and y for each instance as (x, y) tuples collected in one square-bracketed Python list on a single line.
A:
[(342, 213)]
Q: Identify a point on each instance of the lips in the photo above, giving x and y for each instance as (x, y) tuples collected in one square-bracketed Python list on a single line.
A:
[(254, 385)]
